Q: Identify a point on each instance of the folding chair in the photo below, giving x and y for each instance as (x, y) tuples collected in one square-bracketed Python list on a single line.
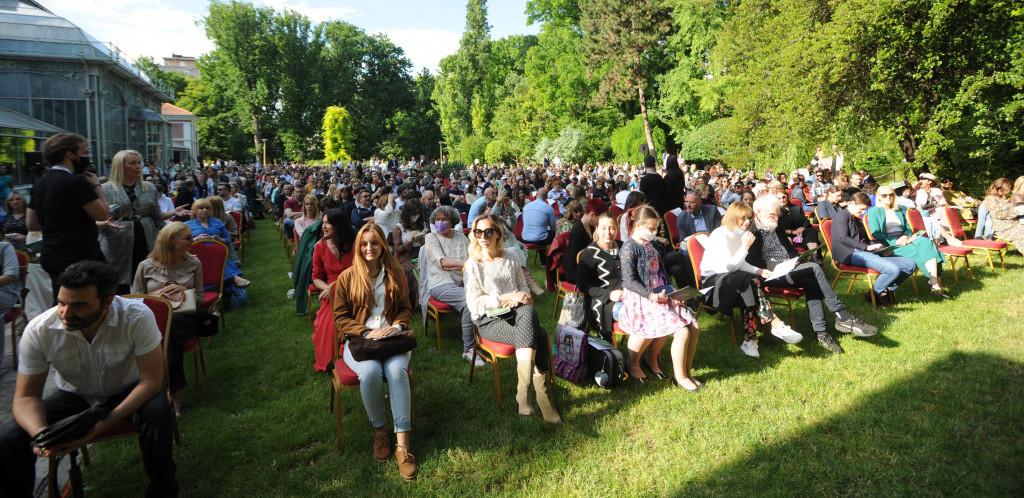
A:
[(989, 246), (214, 257), (696, 251)]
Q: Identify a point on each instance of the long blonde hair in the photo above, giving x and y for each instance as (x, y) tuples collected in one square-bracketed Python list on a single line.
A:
[(116, 177), (395, 285), (161, 252), (217, 207), (475, 250)]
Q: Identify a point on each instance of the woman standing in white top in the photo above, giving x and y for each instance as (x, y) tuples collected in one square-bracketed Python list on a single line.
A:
[(735, 282), (495, 281)]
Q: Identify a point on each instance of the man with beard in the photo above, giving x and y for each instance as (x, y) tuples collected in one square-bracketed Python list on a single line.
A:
[(105, 349), (66, 203), (771, 246)]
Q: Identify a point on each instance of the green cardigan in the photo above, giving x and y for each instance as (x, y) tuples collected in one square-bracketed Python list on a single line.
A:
[(302, 274), (876, 224)]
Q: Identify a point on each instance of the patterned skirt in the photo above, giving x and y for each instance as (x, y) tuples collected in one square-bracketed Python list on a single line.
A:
[(649, 320)]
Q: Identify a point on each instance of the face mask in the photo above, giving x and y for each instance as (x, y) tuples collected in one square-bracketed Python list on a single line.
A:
[(645, 234), (81, 164), (739, 231), (441, 226), (415, 217)]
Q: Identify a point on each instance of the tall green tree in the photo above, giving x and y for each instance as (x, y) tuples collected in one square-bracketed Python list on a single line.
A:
[(299, 44), (464, 91), (241, 33), (337, 133), (220, 123), (176, 81), (624, 39)]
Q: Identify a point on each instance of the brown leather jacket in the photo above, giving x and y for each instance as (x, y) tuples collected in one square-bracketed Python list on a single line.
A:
[(350, 319)]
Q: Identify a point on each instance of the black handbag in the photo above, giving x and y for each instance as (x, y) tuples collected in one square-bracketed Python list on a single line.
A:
[(70, 429), (363, 349)]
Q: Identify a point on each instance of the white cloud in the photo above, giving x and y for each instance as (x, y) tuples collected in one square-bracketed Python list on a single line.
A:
[(425, 47), (315, 14)]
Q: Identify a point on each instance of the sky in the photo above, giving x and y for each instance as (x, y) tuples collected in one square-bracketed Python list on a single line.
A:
[(426, 30)]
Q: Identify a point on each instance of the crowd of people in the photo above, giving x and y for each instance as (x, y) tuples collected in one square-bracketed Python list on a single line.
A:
[(373, 240)]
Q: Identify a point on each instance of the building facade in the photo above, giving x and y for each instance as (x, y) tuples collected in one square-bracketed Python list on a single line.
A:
[(181, 64), (184, 138), (53, 73)]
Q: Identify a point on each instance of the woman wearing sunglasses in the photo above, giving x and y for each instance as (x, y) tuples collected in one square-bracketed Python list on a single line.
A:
[(499, 300)]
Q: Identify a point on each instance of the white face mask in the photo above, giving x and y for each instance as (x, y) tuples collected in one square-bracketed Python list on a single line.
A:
[(739, 231), (645, 234)]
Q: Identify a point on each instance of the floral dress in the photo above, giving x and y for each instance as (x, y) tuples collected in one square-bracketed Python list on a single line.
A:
[(640, 316)]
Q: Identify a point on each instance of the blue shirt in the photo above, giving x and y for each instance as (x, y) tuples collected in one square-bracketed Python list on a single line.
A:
[(698, 222), (478, 207), (538, 220)]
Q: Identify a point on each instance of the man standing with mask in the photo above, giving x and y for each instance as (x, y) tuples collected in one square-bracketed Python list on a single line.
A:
[(66, 204)]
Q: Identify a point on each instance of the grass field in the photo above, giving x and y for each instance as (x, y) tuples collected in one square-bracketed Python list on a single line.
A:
[(932, 405)]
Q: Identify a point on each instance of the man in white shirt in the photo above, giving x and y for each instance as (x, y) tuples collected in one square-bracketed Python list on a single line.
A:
[(231, 203), (106, 350)]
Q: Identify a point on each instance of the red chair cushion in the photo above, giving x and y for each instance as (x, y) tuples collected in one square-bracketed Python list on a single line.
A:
[(858, 269), (783, 292), (567, 287), (209, 298), (191, 343), (441, 306), (986, 244), (532, 247), (10, 316), (499, 348), (956, 251), (344, 374)]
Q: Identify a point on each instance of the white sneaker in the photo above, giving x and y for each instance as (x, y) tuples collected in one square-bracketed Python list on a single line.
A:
[(786, 333), (749, 348), (468, 355), (291, 293)]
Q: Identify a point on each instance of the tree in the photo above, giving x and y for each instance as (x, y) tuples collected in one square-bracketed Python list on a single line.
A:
[(626, 141), (299, 45), (176, 81), (240, 33), (220, 126), (337, 134), (464, 89), (622, 38)]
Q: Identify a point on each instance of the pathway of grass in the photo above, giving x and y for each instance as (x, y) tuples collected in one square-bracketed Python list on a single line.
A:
[(932, 405)]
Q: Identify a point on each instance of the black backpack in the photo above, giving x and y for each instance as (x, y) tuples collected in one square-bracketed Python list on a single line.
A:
[(605, 366)]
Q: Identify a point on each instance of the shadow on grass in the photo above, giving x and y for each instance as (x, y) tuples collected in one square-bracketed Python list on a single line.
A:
[(954, 428)]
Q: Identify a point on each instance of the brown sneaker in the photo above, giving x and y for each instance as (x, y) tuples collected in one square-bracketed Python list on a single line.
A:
[(406, 464), (381, 446)]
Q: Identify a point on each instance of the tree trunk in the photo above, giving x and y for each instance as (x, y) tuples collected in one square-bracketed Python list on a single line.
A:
[(908, 144), (647, 124), (256, 135)]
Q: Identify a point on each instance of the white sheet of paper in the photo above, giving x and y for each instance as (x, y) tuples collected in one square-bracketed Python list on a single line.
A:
[(784, 268)]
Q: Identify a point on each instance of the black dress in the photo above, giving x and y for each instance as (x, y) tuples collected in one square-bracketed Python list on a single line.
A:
[(598, 274)]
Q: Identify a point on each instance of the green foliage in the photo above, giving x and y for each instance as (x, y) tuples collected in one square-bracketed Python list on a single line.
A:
[(473, 148), (571, 145), (221, 127), (176, 81), (464, 92), (706, 143), (500, 151), (626, 141), (337, 133)]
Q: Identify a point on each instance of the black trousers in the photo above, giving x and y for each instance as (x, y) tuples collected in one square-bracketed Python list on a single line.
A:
[(54, 264), (153, 421)]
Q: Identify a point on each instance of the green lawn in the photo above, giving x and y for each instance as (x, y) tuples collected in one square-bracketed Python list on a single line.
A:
[(932, 405)]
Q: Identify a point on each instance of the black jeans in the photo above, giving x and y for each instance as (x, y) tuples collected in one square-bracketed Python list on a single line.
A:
[(153, 421), (678, 265), (811, 278)]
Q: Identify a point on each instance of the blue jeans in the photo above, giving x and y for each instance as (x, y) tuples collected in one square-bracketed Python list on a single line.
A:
[(984, 230), (894, 269), (371, 387)]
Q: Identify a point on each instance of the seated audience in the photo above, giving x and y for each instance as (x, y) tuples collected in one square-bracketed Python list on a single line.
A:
[(1005, 216), (580, 236), (168, 272), (599, 277), (647, 314), (371, 300), (128, 378), (771, 247), (386, 213), (408, 236), (851, 246), (573, 213), (332, 255), (495, 281), (310, 215), (205, 227), (831, 204), (888, 225), (735, 283), (441, 262), (796, 225)]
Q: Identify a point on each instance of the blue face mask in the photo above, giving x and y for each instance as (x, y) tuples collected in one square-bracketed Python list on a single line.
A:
[(738, 231)]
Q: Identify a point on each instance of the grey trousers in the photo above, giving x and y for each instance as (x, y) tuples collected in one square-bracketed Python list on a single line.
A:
[(455, 296), (811, 278)]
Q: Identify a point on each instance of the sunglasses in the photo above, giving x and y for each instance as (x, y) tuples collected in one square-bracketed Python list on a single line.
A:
[(486, 233)]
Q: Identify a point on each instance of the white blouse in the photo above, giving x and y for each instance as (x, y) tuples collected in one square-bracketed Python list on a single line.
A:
[(486, 282)]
